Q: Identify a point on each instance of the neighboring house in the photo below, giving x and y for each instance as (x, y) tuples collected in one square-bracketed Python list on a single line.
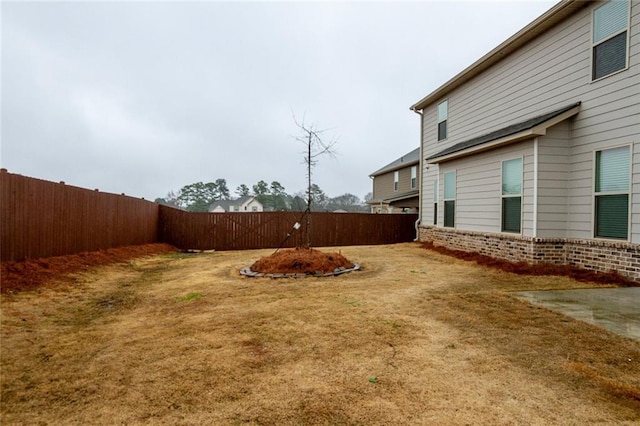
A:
[(531, 152), (243, 204), (396, 185)]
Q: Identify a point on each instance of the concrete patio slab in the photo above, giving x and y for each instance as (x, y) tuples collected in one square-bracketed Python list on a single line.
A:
[(616, 309)]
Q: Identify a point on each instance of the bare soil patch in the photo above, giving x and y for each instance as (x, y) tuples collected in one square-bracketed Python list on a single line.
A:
[(30, 274), (416, 337)]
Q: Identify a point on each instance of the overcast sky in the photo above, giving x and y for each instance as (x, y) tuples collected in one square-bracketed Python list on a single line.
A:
[(146, 97)]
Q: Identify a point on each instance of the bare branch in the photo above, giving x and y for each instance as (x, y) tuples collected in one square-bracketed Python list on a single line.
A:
[(311, 137)]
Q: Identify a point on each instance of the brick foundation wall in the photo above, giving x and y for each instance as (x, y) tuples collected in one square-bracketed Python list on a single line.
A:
[(595, 255)]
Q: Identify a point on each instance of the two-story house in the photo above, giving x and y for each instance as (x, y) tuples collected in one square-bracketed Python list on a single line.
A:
[(396, 185), (532, 152), (243, 204)]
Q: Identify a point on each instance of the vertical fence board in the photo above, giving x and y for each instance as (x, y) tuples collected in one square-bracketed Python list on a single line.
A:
[(39, 218), (241, 231)]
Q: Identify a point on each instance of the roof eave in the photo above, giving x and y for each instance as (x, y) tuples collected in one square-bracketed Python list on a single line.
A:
[(517, 137), (547, 20), (393, 169), (405, 196), (392, 198), (539, 130)]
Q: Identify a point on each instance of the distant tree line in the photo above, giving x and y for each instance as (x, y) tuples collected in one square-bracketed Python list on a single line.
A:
[(199, 196)]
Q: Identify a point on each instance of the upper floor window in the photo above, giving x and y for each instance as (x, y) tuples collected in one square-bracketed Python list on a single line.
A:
[(396, 180), (610, 34), (414, 177), (443, 113), (612, 193), (512, 195)]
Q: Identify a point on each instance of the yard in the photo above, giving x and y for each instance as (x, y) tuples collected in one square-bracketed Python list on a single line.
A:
[(416, 337)]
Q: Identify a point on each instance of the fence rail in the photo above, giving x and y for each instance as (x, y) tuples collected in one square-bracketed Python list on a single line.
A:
[(39, 218)]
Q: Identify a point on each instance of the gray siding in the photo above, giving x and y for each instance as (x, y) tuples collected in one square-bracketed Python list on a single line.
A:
[(429, 175), (478, 189), (383, 184), (553, 179), (551, 71)]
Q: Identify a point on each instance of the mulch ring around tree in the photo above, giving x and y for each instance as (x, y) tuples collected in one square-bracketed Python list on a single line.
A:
[(33, 273), (300, 263)]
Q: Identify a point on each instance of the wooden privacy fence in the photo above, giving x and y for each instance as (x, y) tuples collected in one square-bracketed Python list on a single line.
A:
[(239, 231), (39, 218)]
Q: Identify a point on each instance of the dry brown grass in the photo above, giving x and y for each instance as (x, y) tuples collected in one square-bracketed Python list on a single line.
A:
[(415, 338)]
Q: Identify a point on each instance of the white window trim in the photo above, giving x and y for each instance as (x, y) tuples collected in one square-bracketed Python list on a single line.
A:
[(593, 45), (438, 121), (396, 180), (436, 192), (502, 196), (455, 200), (414, 177), (594, 194)]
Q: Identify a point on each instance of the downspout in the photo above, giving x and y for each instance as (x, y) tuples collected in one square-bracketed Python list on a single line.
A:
[(417, 224), (534, 231), (372, 197)]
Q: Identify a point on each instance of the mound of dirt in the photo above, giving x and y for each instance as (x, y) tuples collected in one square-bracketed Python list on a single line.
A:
[(30, 274), (524, 268), (301, 261)]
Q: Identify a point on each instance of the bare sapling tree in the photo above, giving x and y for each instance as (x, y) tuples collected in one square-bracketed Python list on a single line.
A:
[(311, 137)]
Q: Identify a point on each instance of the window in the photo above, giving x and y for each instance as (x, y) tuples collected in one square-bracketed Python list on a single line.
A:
[(236, 208), (612, 193), (443, 113), (414, 177), (512, 195), (450, 199), (435, 201), (396, 179), (610, 23), (254, 208)]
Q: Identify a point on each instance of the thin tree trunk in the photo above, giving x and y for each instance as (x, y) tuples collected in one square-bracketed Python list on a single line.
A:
[(309, 197)]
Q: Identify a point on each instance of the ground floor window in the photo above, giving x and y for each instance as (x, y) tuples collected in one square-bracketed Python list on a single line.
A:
[(512, 195), (450, 199), (611, 193), (450, 214), (435, 201)]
